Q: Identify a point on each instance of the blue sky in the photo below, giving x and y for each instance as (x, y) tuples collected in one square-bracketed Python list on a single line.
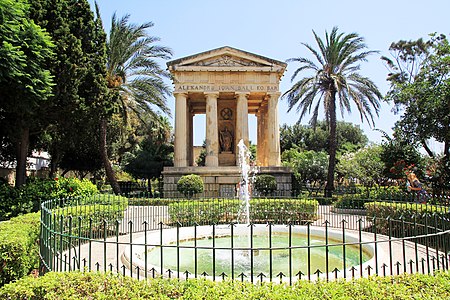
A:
[(276, 29)]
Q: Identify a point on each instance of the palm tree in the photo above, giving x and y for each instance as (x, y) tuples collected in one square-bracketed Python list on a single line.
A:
[(134, 74), (335, 81)]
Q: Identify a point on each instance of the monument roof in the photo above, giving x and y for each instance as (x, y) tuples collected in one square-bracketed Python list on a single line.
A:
[(226, 59)]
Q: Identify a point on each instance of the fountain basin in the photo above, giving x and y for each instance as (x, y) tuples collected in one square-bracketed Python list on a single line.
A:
[(193, 249)]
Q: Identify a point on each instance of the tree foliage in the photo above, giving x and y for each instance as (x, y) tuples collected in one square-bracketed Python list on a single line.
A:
[(265, 184), (364, 165), (399, 154), (420, 89), (349, 137), (335, 82), (135, 78), (153, 153), (80, 90), (25, 81), (309, 167)]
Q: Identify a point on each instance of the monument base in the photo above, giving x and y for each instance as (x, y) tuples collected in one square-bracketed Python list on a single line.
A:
[(223, 181)]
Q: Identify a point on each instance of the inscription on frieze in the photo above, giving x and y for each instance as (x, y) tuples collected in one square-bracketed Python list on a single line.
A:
[(226, 88)]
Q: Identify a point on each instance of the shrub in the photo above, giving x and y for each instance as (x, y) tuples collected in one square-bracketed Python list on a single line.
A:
[(190, 185), (265, 184), (351, 202), (89, 214), (19, 248), (91, 285), (205, 211), (213, 211), (27, 198), (283, 211), (408, 219), (12, 204)]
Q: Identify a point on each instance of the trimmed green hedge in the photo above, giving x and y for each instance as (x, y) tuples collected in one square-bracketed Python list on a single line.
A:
[(282, 211), (214, 211), (98, 208), (77, 285), (19, 248), (351, 202), (408, 219), (204, 211)]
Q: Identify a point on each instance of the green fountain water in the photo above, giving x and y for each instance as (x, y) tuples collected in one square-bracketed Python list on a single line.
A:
[(200, 255)]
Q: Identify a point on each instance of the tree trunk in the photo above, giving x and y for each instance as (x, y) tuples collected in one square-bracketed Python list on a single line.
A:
[(21, 156), (427, 149), (332, 147), (110, 175), (149, 187), (55, 158)]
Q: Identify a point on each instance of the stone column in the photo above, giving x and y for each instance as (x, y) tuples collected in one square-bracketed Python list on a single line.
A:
[(241, 120), (258, 139), (190, 151), (273, 130), (212, 130), (181, 133), (262, 147)]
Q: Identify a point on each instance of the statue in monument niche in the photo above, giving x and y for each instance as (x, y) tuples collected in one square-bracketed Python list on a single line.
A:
[(226, 140)]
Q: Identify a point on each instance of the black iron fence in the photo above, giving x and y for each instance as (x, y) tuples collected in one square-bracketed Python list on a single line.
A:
[(286, 239)]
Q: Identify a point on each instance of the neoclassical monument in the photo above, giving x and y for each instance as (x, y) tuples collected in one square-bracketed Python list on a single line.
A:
[(227, 85)]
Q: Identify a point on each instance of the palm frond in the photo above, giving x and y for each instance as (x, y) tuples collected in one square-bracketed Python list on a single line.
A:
[(131, 62)]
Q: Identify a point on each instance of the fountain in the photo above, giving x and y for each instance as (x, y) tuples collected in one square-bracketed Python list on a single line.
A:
[(247, 174), (245, 249)]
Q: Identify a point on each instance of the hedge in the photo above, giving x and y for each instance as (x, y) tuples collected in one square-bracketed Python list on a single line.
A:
[(89, 216), (351, 202), (19, 247), (409, 219), (213, 211), (90, 285), (205, 211)]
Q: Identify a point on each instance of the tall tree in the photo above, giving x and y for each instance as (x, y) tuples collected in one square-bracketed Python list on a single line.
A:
[(25, 81), (420, 89), (335, 81), (134, 73), (79, 68)]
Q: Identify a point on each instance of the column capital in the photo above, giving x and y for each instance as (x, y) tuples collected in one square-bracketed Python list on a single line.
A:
[(274, 95), (177, 94), (241, 94), (212, 94)]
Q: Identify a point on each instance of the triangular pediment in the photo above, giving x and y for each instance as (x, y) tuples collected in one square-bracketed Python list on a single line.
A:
[(227, 60), (226, 57)]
